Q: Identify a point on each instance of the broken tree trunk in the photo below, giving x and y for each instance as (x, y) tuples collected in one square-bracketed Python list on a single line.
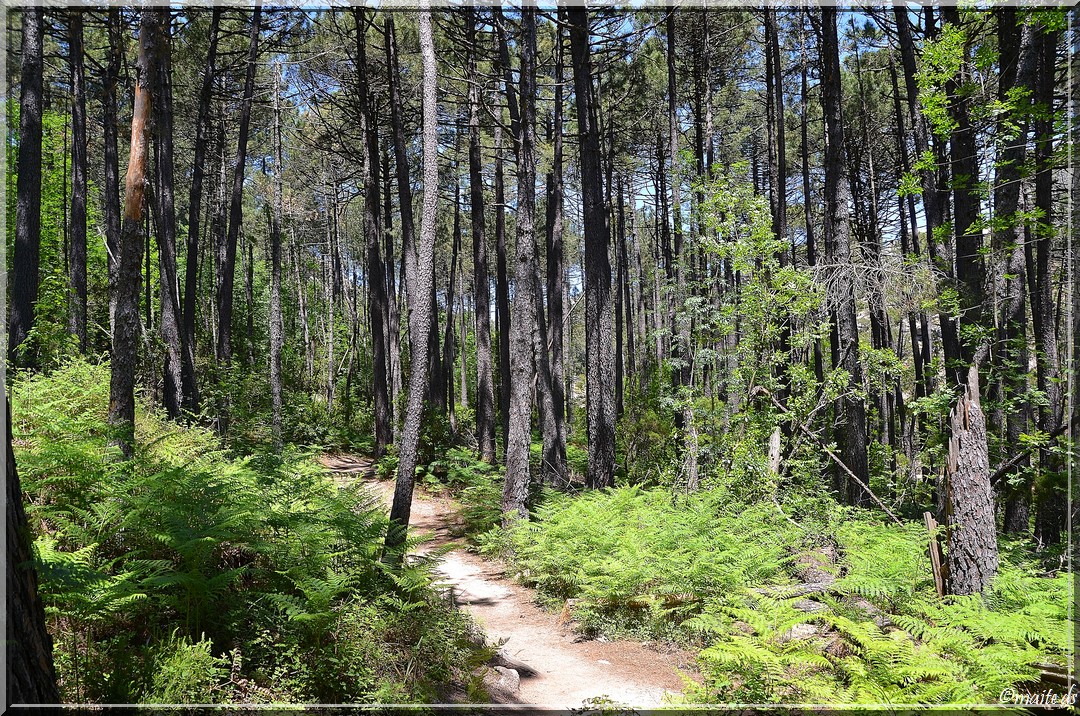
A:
[(973, 557)]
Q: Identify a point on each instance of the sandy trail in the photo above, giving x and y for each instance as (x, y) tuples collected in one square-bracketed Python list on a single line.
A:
[(567, 670)]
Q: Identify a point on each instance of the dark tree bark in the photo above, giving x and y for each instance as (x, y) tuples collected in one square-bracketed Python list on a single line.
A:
[(973, 555), (77, 217), (965, 178), (111, 188), (485, 398), (191, 273), (227, 252), (31, 678), (1050, 501), (129, 251), (599, 330), (376, 279), (1017, 64), (502, 292), (171, 334), (26, 257), (448, 331), (420, 318), (401, 164), (851, 425), (934, 199), (522, 334)]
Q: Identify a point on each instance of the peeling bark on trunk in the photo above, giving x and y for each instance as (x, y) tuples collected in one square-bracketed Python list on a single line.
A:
[(128, 279)]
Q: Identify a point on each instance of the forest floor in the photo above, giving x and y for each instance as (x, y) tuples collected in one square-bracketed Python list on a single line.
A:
[(556, 665)]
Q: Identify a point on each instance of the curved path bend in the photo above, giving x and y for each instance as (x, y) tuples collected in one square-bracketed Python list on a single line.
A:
[(557, 667)]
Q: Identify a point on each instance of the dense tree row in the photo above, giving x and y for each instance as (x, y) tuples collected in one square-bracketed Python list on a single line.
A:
[(828, 244)]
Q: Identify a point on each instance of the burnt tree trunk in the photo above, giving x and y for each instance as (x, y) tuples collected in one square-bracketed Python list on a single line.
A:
[(191, 273), (171, 333), (851, 425), (227, 252)]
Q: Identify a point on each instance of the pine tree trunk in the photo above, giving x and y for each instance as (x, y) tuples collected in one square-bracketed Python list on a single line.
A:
[(376, 280), (1015, 43), (26, 257), (420, 285), (227, 252), (485, 397), (111, 189), (277, 330), (1050, 501), (522, 335), (31, 678), (77, 217), (129, 251), (599, 376), (851, 425), (502, 292)]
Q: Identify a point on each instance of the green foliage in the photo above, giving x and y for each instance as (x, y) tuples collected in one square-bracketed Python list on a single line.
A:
[(152, 568), (721, 573)]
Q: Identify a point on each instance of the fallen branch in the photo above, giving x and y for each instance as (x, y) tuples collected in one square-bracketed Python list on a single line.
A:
[(760, 390)]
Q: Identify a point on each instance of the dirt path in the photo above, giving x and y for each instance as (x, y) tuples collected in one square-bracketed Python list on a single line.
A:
[(565, 669)]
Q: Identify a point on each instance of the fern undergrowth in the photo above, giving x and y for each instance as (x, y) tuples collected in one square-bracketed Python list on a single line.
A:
[(725, 577), (187, 575)]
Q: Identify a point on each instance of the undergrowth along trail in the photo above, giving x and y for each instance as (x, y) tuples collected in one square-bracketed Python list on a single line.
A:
[(566, 669)]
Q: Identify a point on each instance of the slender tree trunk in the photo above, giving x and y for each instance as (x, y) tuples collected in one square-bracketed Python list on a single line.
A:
[(111, 189), (401, 164), (77, 217), (376, 280), (227, 253), (419, 314), (171, 333), (522, 335), (599, 379), (191, 273), (129, 251), (485, 400), (448, 332), (851, 426), (502, 292), (277, 330), (26, 257), (1015, 44), (1050, 501)]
